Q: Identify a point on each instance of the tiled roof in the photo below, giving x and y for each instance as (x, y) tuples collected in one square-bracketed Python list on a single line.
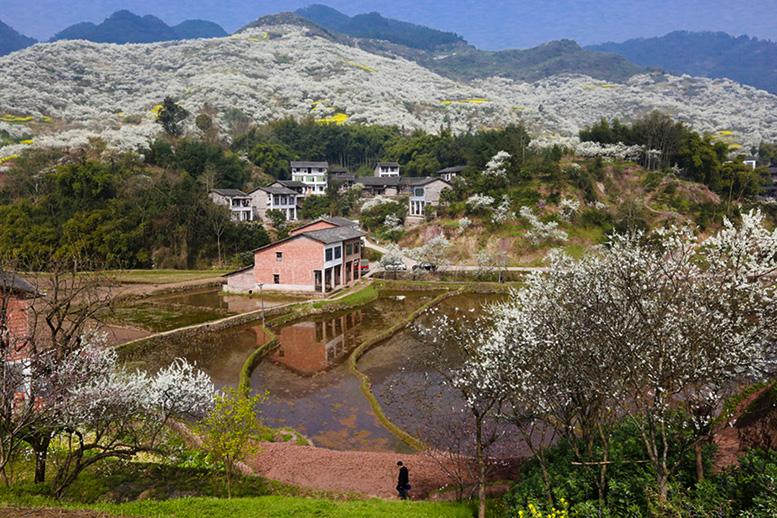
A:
[(386, 181), (290, 183), (12, 282), (388, 164), (339, 221), (276, 190), (334, 235), (454, 169), (229, 193), (310, 164)]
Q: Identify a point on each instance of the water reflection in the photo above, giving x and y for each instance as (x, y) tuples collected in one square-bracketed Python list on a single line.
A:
[(216, 298)]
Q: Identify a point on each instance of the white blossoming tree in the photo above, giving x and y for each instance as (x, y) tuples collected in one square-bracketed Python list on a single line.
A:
[(539, 231), (433, 252), (497, 166), (654, 330)]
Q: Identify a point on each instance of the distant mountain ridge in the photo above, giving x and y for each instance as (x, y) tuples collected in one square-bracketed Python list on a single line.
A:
[(450, 55), (11, 40), (127, 27), (374, 26), (708, 54)]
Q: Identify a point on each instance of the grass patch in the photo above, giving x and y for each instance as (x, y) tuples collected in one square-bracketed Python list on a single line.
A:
[(164, 276), (270, 507), (357, 298)]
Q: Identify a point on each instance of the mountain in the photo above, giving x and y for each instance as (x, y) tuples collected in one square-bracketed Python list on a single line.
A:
[(10, 40), (281, 67), (450, 55), (126, 27), (374, 26), (709, 54)]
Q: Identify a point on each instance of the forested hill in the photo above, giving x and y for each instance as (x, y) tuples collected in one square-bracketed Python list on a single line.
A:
[(708, 54), (11, 40), (450, 55), (127, 27), (374, 26)]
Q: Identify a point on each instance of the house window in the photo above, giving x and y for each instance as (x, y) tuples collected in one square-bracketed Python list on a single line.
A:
[(338, 252), (328, 254), (276, 278), (279, 256), (419, 192), (356, 248), (348, 249)]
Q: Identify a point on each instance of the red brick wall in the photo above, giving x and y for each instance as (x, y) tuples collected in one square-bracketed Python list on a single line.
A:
[(319, 225), (16, 319), (301, 256)]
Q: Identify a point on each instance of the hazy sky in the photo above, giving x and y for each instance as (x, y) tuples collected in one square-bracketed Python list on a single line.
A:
[(493, 24)]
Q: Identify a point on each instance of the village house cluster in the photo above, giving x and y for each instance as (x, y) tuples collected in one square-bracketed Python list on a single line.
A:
[(314, 178), (325, 254)]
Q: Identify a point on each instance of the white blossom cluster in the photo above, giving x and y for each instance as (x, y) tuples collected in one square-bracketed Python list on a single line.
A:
[(479, 202), (502, 212), (108, 90), (539, 231), (568, 207), (464, 223), (392, 223), (374, 202), (497, 166)]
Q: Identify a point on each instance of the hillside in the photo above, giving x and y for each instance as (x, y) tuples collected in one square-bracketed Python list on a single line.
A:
[(63, 93), (708, 54), (11, 40), (126, 27), (450, 55)]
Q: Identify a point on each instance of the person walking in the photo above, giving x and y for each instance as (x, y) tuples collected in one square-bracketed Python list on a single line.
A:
[(403, 483)]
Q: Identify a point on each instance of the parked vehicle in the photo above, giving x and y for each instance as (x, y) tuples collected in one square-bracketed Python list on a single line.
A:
[(364, 267), (395, 267), (424, 267)]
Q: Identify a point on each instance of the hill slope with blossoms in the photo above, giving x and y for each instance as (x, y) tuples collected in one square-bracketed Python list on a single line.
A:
[(63, 93)]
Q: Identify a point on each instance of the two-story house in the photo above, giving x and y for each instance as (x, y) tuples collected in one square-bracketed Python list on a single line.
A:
[(238, 202), (424, 192), (319, 257), (387, 169), (274, 198), (312, 174)]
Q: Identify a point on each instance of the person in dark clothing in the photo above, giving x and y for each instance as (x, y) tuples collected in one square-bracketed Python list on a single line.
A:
[(403, 483)]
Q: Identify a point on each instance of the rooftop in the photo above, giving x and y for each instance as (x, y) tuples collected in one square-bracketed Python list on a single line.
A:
[(276, 190), (12, 282), (454, 169), (334, 235), (229, 193), (388, 164), (324, 165), (290, 183)]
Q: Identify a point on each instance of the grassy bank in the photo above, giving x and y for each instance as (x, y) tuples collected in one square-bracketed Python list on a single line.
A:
[(263, 506), (164, 276)]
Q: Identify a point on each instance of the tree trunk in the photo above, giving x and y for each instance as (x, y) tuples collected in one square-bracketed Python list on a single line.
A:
[(481, 472), (229, 480), (40, 446), (697, 450)]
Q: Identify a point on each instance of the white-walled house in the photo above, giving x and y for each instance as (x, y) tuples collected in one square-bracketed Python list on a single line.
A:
[(312, 174), (387, 169), (274, 198), (449, 173), (238, 202)]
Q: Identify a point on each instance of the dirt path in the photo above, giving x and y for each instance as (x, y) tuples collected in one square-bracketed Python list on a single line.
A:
[(24, 512), (368, 473)]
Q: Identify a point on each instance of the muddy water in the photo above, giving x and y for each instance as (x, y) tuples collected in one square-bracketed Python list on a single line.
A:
[(215, 298), (406, 380), (310, 387)]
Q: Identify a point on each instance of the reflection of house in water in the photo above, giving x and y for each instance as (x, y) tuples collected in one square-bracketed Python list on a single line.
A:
[(313, 346)]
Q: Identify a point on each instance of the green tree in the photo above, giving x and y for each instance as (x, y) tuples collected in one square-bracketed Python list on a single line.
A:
[(171, 117), (229, 431)]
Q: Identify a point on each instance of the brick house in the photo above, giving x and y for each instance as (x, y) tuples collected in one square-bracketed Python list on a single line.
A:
[(274, 198), (319, 257), (312, 174), (16, 296), (238, 203)]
